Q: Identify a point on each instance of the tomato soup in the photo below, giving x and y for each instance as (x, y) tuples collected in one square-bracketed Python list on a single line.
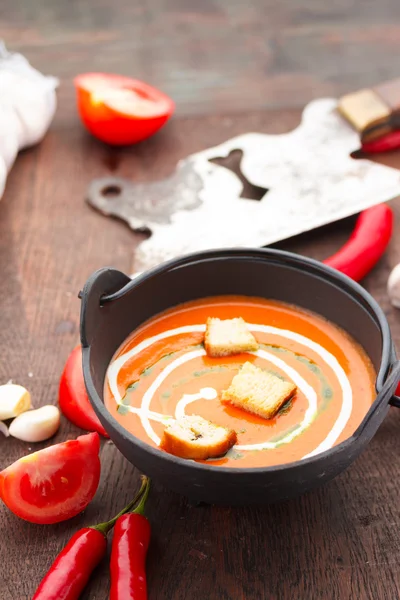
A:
[(162, 371)]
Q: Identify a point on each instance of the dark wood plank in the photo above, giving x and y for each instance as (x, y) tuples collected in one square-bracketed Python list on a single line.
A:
[(340, 541), (213, 56)]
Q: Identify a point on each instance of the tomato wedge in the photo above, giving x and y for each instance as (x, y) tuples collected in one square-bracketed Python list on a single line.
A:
[(72, 396), (53, 484), (119, 110)]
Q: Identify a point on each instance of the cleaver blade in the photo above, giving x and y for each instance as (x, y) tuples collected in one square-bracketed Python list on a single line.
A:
[(308, 176)]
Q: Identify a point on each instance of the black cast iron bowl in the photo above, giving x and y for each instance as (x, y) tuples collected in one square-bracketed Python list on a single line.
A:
[(113, 306)]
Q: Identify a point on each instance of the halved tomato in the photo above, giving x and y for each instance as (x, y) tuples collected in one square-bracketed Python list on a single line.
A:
[(72, 396), (53, 484), (119, 110)]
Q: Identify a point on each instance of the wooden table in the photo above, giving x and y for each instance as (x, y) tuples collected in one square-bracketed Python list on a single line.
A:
[(229, 66)]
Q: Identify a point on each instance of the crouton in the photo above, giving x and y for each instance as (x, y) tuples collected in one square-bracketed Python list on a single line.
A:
[(196, 438), (258, 391), (230, 336)]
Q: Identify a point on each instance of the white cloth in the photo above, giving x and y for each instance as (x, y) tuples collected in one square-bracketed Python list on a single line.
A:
[(27, 106)]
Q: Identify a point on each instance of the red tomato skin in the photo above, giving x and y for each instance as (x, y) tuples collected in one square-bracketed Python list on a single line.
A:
[(54, 484), (111, 126), (72, 396)]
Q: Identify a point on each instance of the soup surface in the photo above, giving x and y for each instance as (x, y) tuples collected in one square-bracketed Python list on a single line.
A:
[(162, 371)]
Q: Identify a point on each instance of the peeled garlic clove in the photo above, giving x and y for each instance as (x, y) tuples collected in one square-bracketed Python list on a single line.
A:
[(36, 425), (393, 286), (4, 429), (14, 400)]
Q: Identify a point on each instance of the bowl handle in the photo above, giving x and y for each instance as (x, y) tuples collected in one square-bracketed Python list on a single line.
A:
[(391, 384), (103, 282)]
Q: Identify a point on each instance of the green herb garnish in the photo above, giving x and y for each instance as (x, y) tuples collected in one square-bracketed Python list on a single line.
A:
[(215, 369), (285, 408), (180, 382), (281, 436), (123, 408), (234, 454), (168, 355), (131, 388), (147, 371)]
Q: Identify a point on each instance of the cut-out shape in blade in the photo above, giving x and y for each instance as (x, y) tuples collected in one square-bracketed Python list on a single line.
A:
[(233, 163), (111, 191), (309, 174)]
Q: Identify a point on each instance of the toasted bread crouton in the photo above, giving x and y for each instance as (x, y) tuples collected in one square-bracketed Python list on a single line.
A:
[(229, 336), (257, 391), (196, 438)]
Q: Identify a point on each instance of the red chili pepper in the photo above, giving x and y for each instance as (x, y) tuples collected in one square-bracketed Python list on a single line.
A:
[(128, 554), (388, 142), (366, 244), (71, 570)]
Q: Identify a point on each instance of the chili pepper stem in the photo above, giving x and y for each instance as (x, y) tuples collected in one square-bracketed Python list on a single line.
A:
[(143, 492), (139, 510)]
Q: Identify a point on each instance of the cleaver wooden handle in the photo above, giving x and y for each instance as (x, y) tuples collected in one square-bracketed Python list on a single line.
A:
[(373, 112)]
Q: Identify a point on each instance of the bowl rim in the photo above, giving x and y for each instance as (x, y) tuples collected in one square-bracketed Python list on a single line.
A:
[(388, 356)]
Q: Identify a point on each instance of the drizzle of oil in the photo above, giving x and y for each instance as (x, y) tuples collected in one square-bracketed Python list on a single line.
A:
[(123, 408), (326, 390)]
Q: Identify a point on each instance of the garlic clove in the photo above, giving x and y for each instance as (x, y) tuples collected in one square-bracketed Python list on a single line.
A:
[(4, 429), (393, 286), (36, 425), (14, 400)]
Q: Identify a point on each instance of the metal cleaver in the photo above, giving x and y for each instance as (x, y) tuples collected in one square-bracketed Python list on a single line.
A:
[(307, 179)]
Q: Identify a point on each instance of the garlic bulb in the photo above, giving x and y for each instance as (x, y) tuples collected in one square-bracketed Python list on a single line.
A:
[(36, 425), (10, 139), (27, 106), (14, 400), (3, 175), (393, 286)]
